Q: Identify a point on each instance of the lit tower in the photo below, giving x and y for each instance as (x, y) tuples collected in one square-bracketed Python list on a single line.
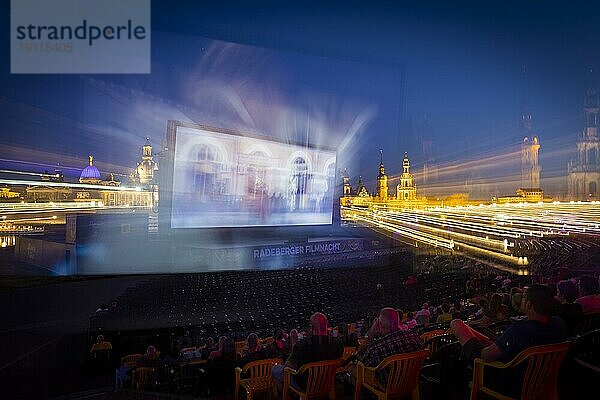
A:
[(382, 185), (530, 167), (406, 190), (347, 187), (361, 189), (584, 176), (146, 168)]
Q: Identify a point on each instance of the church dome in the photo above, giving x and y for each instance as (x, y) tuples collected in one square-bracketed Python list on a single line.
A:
[(90, 172)]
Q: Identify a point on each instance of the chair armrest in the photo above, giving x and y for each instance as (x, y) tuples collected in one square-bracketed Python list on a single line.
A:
[(479, 363), (290, 370), (359, 364)]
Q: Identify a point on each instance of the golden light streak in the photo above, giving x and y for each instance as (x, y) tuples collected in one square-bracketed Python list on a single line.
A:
[(492, 230)]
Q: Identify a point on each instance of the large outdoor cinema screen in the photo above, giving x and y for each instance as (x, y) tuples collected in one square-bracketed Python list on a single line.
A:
[(223, 178)]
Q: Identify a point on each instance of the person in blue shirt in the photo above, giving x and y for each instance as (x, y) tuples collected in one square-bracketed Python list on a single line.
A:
[(538, 328)]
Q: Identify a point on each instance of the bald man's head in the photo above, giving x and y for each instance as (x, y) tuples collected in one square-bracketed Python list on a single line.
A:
[(388, 319), (318, 324)]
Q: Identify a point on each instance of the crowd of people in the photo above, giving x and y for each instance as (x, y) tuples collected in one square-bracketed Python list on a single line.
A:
[(380, 312)]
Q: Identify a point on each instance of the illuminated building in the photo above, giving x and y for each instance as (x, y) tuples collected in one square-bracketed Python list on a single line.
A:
[(361, 189), (382, 186), (90, 174), (145, 169), (406, 191), (524, 195), (7, 195), (347, 186), (530, 191), (530, 167), (92, 187), (584, 176)]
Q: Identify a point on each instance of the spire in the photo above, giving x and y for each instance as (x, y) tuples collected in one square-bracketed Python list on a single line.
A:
[(91, 160), (381, 167), (525, 120)]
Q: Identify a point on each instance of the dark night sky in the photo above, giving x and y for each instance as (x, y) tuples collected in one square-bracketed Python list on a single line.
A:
[(356, 75)]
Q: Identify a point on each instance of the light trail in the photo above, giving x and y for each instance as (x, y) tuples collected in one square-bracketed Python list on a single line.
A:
[(506, 232), (68, 185), (21, 212)]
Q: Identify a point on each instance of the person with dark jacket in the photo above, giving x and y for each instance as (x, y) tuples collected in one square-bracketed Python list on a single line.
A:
[(317, 346)]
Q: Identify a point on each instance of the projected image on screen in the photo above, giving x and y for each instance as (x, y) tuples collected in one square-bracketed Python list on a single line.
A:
[(229, 180)]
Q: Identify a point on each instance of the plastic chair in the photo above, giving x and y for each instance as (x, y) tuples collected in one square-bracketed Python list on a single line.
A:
[(141, 378), (259, 380), (266, 341), (403, 378), (588, 323), (433, 333), (580, 371), (127, 363), (101, 357), (444, 373), (319, 380), (130, 360), (239, 346), (348, 351), (541, 373)]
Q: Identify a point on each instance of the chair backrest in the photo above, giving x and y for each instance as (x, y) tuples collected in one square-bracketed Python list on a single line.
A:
[(260, 368), (587, 348), (130, 360), (543, 365), (433, 333), (588, 323), (141, 377), (348, 351), (405, 369), (266, 341), (239, 346), (437, 342), (101, 355), (320, 376)]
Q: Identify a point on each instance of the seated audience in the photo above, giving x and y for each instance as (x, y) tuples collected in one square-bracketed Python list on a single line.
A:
[(317, 346), (515, 300), (385, 339), (173, 355), (348, 339), (423, 316), (220, 371), (280, 347), (150, 359), (410, 322), (483, 306), (100, 345), (293, 339), (445, 316), (208, 348), (216, 353), (253, 351), (539, 328), (588, 295), (495, 311), (565, 306), (401, 324)]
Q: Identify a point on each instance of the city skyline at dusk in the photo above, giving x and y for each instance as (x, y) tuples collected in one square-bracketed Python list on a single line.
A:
[(449, 87)]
